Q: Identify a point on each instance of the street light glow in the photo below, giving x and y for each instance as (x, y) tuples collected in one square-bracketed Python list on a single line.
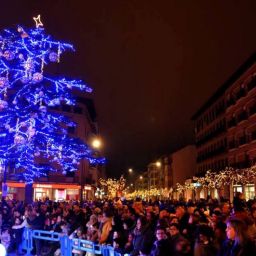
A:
[(96, 143), (130, 170), (141, 177), (158, 163)]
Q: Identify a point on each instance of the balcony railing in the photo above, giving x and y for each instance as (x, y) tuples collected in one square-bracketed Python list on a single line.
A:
[(241, 93), (251, 84), (252, 110), (232, 144), (253, 135), (231, 122), (242, 140), (242, 116)]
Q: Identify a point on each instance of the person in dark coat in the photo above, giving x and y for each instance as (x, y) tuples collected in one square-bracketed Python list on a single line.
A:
[(238, 242), (161, 246), (174, 236), (36, 222), (204, 243), (143, 237)]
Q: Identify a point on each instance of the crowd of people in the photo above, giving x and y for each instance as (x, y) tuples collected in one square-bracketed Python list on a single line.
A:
[(136, 227)]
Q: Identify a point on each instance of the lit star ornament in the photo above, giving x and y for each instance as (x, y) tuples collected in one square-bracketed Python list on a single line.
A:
[(38, 21)]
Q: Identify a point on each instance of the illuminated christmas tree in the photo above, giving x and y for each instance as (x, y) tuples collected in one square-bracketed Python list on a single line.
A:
[(33, 139)]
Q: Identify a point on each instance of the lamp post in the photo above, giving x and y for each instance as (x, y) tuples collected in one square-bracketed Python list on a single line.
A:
[(96, 144)]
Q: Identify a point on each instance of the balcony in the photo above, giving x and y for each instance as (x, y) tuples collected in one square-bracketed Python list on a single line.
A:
[(251, 84), (232, 144), (242, 140), (231, 123), (253, 135), (252, 110), (241, 93), (242, 116), (242, 164), (230, 102)]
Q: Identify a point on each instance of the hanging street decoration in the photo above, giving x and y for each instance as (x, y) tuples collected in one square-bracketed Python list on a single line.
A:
[(34, 140)]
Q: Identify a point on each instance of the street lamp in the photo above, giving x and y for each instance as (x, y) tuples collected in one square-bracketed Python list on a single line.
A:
[(96, 143), (158, 163), (130, 170), (141, 177)]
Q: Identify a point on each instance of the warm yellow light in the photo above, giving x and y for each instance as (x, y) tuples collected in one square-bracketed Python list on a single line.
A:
[(158, 164), (141, 177), (130, 170), (96, 143), (131, 185), (38, 21)]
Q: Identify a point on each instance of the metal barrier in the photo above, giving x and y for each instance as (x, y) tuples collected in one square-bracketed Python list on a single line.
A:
[(67, 245), (109, 251), (86, 246)]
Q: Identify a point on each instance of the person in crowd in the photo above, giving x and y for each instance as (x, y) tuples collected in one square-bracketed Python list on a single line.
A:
[(238, 243), (219, 234), (77, 234), (175, 238), (143, 236), (161, 246), (151, 220), (128, 247), (92, 226), (5, 238), (204, 243), (182, 216), (118, 242), (35, 221), (105, 227), (17, 236)]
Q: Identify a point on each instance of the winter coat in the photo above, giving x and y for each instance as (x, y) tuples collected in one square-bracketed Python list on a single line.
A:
[(142, 239), (161, 248), (230, 248)]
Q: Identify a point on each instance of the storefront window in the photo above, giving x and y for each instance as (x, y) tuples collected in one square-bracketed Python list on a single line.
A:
[(72, 194), (42, 193), (237, 188), (60, 194), (249, 191)]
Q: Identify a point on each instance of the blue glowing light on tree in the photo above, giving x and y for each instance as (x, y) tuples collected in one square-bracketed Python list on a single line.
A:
[(32, 137)]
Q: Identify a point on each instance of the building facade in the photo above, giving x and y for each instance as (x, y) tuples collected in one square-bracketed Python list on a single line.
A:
[(168, 170), (225, 127), (71, 185)]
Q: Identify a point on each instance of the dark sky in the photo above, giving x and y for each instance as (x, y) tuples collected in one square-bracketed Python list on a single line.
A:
[(152, 64)]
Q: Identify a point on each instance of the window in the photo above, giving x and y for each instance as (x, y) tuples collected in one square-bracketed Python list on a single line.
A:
[(249, 191)]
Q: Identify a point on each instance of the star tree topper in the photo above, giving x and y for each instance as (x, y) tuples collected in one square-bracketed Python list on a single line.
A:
[(38, 21)]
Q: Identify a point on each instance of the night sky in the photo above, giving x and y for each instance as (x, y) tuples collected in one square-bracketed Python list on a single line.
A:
[(152, 64)]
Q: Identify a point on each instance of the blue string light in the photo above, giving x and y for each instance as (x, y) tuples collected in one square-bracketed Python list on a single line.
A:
[(31, 135)]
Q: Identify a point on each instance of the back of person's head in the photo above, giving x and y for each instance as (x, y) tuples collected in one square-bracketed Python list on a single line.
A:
[(108, 213), (205, 231)]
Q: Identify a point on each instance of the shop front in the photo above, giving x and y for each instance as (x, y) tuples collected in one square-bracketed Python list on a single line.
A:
[(55, 192), (247, 190)]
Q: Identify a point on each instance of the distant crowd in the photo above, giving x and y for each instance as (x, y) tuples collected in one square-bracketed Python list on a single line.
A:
[(135, 227)]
